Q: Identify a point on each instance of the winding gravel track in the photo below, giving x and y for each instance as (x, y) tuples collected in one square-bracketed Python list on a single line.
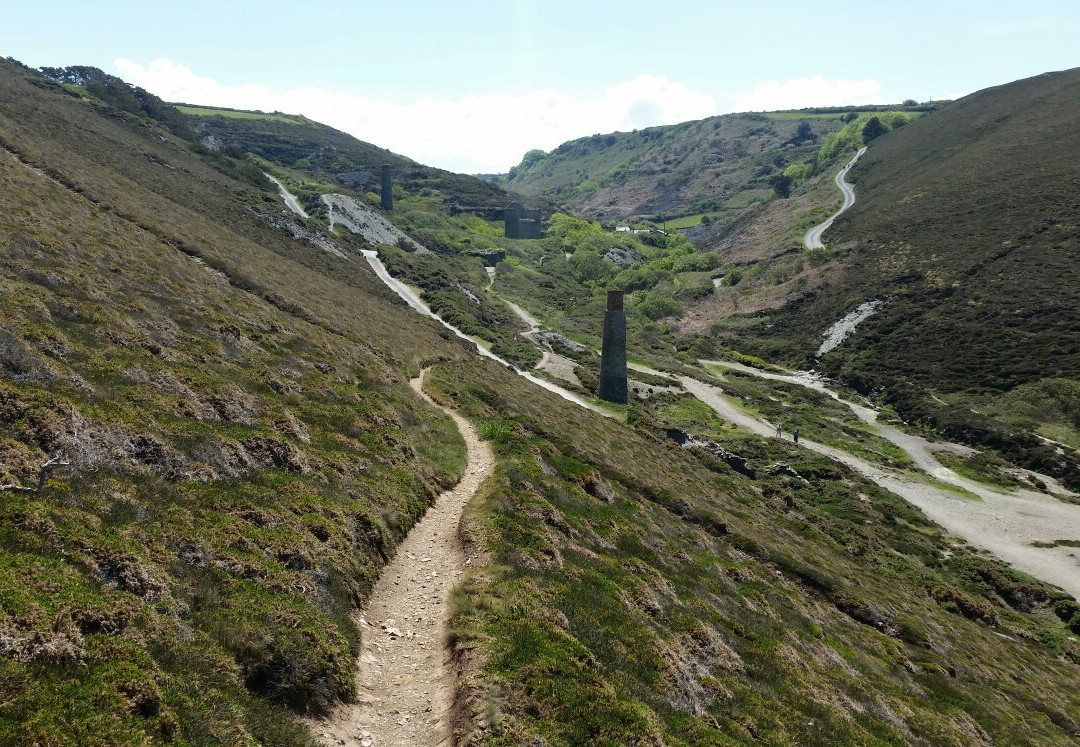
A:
[(1004, 522), (289, 198), (410, 297), (405, 678), (812, 240)]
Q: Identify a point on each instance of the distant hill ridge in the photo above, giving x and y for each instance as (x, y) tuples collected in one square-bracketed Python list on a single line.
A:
[(966, 227), (294, 141), (718, 164)]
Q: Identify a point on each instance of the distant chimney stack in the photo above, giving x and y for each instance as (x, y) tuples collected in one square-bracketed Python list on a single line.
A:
[(613, 386), (387, 194)]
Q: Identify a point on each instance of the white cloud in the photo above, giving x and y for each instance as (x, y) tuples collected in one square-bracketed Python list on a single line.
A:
[(477, 133), (800, 93)]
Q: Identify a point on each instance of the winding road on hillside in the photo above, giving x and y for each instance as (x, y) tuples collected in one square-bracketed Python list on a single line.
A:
[(405, 679), (410, 297), (1006, 523), (812, 240)]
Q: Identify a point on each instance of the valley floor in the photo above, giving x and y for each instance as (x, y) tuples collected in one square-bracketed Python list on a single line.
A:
[(1020, 527), (405, 682)]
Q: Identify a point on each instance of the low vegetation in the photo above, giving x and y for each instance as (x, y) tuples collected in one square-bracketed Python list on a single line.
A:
[(237, 453), (242, 452), (963, 228), (338, 159), (706, 166), (636, 592)]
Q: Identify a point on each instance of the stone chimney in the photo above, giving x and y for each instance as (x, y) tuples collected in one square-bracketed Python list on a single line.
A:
[(613, 352)]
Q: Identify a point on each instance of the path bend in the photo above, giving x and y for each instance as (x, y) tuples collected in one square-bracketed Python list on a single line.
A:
[(405, 679), (812, 240)]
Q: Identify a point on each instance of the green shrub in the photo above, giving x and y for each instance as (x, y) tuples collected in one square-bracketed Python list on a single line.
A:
[(657, 306)]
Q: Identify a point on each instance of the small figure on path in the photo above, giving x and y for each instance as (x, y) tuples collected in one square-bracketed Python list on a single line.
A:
[(779, 431), (795, 435)]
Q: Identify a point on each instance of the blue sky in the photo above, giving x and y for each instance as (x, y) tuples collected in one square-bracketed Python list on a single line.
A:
[(473, 85)]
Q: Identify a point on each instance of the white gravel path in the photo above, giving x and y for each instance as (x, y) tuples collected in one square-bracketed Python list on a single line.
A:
[(812, 240)]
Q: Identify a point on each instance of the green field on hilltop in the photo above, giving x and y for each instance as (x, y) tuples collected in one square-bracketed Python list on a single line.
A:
[(211, 111)]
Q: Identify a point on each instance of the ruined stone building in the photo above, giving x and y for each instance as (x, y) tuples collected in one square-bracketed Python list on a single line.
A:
[(522, 223)]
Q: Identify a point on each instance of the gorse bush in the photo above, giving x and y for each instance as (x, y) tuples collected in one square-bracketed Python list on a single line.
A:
[(849, 139), (1047, 400)]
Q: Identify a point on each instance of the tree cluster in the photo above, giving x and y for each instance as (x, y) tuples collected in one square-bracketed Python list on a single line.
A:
[(123, 95)]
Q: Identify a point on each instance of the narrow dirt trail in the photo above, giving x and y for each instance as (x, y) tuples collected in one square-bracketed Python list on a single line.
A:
[(405, 681), (290, 199)]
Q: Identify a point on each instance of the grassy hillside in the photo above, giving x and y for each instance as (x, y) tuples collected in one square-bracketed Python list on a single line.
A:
[(634, 593), (244, 451), (965, 227), (335, 157), (717, 166)]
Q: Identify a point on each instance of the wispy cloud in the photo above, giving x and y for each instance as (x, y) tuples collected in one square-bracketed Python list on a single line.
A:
[(479, 133), (799, 93)]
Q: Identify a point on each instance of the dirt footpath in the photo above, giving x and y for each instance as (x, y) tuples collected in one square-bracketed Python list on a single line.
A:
[(405, 680)]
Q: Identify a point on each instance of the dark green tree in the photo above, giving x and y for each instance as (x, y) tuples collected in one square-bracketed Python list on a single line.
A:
[(872, 129), (781, 184), (529, 160), (803, 133)]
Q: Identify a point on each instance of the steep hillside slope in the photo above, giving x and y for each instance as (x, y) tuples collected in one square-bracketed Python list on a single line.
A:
[(334, 156), (718, 166), (243, 455), (244, 451), (629, 591), (710, 164), (965, 227)]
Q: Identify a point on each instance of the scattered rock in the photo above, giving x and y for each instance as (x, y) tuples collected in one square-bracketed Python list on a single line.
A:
[(781, 468), (736, 462), (271, 453), (623, 256)]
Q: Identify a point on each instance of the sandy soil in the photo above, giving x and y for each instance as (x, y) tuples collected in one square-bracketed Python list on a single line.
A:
[(405, 681), (558, 366)]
